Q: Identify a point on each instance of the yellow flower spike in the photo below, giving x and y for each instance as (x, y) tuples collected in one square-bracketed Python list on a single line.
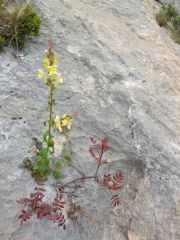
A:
[(51, 76), (46, 63), (52, 69)]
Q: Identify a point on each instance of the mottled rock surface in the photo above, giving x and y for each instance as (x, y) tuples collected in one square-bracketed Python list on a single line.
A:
[(121, 75)]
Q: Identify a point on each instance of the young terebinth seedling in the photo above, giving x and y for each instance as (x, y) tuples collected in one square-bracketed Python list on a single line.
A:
[(68, 204), (110, 182)]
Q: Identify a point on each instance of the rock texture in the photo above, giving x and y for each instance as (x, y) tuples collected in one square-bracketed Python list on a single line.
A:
[(121, 75)]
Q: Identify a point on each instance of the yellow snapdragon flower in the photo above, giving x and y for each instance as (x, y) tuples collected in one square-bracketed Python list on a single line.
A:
[(57, 80), (67, 120), (63, 122), (57, 121), (50, 75), (52, 69), (46, 63), (42, 75)]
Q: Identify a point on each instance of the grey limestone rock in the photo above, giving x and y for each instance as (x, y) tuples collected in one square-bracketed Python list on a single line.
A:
[(121, 76)]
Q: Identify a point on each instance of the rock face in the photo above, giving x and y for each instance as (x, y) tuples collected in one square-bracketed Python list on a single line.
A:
[(121, 75)]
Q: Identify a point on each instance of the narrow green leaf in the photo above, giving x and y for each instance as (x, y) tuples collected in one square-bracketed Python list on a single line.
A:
[(50, 143), (57, 174), (46, 135), (68, 160), (59, 164)]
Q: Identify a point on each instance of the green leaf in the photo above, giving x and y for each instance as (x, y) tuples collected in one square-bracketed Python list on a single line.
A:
[(46, 135), (39, 158), (28, 164), (46, 162), (50, 143), (43, 153), (68, 160), (59, 164), (57, 174), (51, 120), (64, 151)]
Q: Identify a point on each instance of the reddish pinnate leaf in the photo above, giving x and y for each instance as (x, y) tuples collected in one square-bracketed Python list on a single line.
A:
[(55, 218), (105, 144), (115, 200), (97, 180), (43, 211), (24, 216), (36, 206), (98, 149), (35, 203), (23, 201), (115, 187), (92, 152), (107, 178), (112, 183), (119, 177), (93, 140), (62, 222), (39, 196), (58, 203)]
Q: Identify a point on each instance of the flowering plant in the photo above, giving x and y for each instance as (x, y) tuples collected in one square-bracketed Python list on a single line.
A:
[(64, 205), (45, 162)]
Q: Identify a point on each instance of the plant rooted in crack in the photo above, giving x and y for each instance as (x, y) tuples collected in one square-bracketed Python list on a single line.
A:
[(70, 193), (45, 162), (35, 205), (169, 17), (66, 205), (109, 181), (17, 23)]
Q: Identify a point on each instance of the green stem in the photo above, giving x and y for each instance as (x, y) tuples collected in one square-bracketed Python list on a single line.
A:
[(50, 115), (67, 142)]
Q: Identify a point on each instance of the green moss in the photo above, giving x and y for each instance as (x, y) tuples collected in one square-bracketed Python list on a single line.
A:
[(19, 24)]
